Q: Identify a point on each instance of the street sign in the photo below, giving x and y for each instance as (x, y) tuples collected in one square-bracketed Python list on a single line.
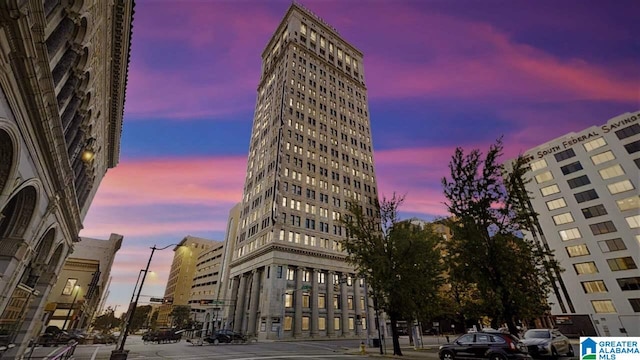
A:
[(157, 300), (306, 287)]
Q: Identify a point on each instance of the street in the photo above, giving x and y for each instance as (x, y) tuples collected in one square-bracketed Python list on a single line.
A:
[(280, 350), (336, 349)]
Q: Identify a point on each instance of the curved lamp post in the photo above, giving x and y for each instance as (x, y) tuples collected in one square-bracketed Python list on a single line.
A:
[(120, 353)]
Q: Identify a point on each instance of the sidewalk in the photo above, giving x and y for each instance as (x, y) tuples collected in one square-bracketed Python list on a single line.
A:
[(427, 351)]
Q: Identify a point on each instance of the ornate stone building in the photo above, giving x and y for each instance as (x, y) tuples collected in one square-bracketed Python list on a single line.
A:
[(63, 74), (310, 153)]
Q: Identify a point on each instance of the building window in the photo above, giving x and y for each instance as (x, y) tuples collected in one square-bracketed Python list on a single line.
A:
[(577, 250), (635, 304), (69, 286), (596, 286), (603, 228), (288, 321), (306, 276), (538, 164), (288, 300), (352, 323), (322, 277), (637, 162), (594, 144), (620, 186), (594, 211), (586, 196), (612, 245), (603, 306), (633, 147), (350, 302), (362, 306), (336, 302), (585, 268), (322, 323), (563, 218), (579, 181), (571, 168), (623, 263), (550, 190), (602, 157), (321, 301), (291, 274), (633, 221), (305, 323), (611, 172), (629, 284), (629, 203), (628, 131), (556, 204), (545, 176), (570, 234), (279, 272), (564, 155), (305, 300), (336, 323)]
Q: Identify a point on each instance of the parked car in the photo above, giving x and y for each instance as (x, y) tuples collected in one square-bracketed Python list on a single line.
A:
[(484, 345), (104, 338), (53, 336), (547, 342), (225, 336)]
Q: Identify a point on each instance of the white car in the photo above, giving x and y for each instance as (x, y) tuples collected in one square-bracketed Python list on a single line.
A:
[(547, 342)]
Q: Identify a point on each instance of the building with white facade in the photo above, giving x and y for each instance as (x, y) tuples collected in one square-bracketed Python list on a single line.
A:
[(584, 188), (310, 153), (205, 288)]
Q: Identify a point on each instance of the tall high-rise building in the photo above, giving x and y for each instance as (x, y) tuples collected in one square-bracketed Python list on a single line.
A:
[(584, 188), (310, 153), (181, 275)]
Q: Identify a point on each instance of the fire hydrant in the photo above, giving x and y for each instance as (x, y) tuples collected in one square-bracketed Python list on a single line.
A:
[(362, 348)]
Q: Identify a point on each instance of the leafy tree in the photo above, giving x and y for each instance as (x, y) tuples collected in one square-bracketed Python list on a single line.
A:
[(490, 210), (399, 260), (139, 318), (181, 315), (106, 321)]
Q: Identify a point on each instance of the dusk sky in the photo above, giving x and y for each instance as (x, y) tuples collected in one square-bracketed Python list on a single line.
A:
[(440, 74)]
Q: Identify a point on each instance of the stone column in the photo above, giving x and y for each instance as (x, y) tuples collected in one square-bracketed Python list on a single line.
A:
[(344, 291), (255, 298), (356, 298), (238, 319), (314, 302), (231, 310), (331, 332), (297, 325)]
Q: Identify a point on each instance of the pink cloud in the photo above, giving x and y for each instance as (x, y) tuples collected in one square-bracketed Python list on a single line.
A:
[(175, 196), (173, 181)]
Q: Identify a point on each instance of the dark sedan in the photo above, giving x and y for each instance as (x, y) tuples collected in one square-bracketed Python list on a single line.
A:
[(484, 345), (226, 336)]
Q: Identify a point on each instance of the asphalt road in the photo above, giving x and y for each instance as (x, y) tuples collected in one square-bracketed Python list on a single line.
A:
[(310, 350), (285, 350)]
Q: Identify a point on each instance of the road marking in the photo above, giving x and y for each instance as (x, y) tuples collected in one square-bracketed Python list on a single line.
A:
[(93, 357)]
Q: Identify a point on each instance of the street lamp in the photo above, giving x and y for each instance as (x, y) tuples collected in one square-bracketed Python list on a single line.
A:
[(120, 353), (77, 289)]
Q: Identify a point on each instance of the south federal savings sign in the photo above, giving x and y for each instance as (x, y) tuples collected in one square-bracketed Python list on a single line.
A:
[(571, 141), (609, 348)]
